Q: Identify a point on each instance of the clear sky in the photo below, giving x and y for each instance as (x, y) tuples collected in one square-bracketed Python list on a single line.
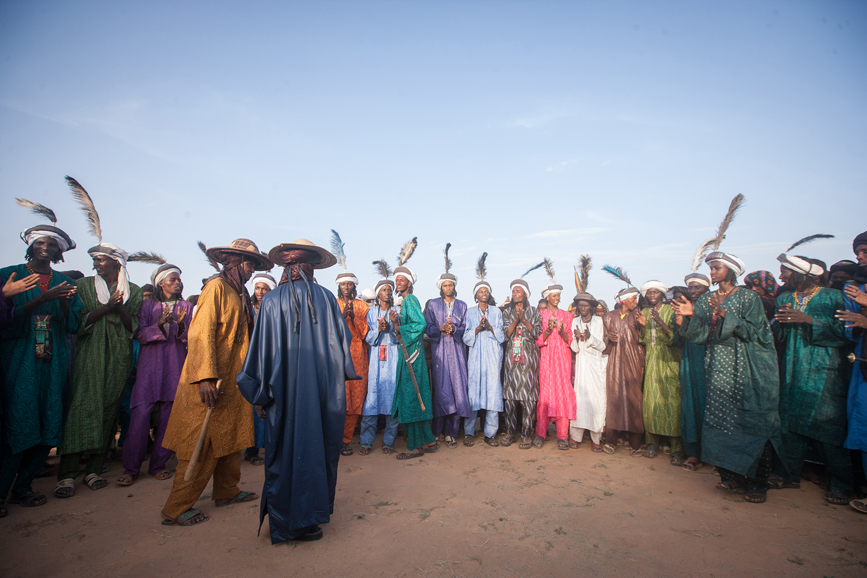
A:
[(524, 129)]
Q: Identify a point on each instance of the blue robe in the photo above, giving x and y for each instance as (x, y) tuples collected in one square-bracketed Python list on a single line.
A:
[(856, 407), (382, 375), (448, 358), (298, 374), (485, 360)]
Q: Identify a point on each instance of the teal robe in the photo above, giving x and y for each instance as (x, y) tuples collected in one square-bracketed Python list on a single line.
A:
[(103, 358), (743, 381), (406, 408), (814, 372), (693, 394), (33, 389)]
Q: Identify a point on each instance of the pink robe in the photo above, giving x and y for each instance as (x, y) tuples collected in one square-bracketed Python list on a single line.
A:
[(556, 396)]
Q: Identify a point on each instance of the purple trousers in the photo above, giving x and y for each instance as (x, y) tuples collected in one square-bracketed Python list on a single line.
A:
[(446, 424), (136, 445)]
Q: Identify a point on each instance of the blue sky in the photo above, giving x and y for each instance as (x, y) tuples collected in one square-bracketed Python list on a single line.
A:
[(524, 129)]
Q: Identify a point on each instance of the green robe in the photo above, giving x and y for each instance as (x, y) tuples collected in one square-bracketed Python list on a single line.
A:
[(406, 408), (33, 389), (693, 394), (814, 372), (743, 382), (661, 404), (103, 358)]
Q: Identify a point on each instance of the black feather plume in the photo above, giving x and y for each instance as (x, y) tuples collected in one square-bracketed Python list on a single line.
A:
[(809, 239), (446, 255), (533, 268), (618, 273), (146, 257), (481, 268), (549, 268), (586, 265), (211, 262), (87, 207), (382, 268), (39, 209), (734, 206)]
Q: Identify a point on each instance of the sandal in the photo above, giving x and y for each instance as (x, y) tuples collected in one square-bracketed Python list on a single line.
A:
[(364, 449), (666, 450), (860, 505), (95, 482), (538, 442), (126, 479), (691, 466), (597, 448), (469, 441), (189, 518), (239, 498), (65, 488), (608, 449), (492, 442), (574, 445), (165, 474), (28, 499), (756, 497), (525, 443), (651, 451), (387, 450), (676, 459), (562, 445), (430, 448), (410, 455), (451, 442), (346, 451), (506, 440), (833, 497), (778, 483), (730, 486), (637, 453)]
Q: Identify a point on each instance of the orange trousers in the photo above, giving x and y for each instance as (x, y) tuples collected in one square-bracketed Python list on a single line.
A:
[(226, 472), (349, 427)]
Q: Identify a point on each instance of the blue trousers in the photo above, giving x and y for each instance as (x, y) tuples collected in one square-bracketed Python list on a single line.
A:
[(492, 423), (368, 430)]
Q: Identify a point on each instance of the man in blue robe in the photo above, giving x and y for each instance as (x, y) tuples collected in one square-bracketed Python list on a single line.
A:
[(446, 320), (296, 368)]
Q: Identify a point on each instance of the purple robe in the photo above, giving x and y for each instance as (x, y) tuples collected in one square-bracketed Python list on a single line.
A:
[(162, 354), (448, 359)]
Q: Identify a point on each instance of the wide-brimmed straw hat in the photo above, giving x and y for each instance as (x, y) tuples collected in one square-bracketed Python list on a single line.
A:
[(326, 259), (242, 248)]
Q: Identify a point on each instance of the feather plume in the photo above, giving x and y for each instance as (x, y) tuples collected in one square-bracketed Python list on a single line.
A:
[(39, 209), (211, 262), (407, 251), (337, 246), (809, 239), (701, 253), (87, 207), (481, 268), (533, 268), (618, 273), (446, 254), (145, 257), (549, 268), (382, 268), (727, 220), (586, 265)]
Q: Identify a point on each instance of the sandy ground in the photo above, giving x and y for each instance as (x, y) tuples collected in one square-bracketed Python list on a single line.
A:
[(477, 511)]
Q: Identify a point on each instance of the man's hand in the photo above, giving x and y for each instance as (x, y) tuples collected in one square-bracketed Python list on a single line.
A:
[(717, 306), (182, 313), (208, 392), (852, 319), (614, 336), (348, 311), (260, 412), (116, 300), (164, 316), (682, 307), (383, 325), (788, 315), (12, 287), (62, 291), (642, 319), (853, 293)]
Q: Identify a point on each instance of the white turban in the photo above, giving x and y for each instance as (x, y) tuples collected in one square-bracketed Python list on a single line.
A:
[(481, 284), (119, 255), (344, 277), (625, 294), (800, 265), (653, 285), (729, 260), (552, 288), (697, 278), (31, 237), (522, 284), (160, 274), (446, 277), (367, 295), (263, 278), (406, 273)]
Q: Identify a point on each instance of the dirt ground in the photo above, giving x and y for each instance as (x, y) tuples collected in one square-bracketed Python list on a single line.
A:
[(477, 511)]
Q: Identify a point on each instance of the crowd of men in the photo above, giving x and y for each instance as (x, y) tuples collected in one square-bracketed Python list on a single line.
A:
[(753, 379)]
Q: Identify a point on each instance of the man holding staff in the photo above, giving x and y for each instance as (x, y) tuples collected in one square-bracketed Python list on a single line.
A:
[(218, 337)]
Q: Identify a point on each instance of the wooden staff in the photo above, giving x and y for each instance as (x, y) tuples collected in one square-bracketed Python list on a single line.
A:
[(197, 452)]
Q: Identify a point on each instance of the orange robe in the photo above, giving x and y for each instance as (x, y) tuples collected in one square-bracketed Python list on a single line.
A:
[(213, 353), (356, 390)]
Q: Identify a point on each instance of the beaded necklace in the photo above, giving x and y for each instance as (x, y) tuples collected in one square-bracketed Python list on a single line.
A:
[(802, 300), (43, 285)]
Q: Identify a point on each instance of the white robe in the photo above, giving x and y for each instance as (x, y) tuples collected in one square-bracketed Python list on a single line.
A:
[(590, 366)]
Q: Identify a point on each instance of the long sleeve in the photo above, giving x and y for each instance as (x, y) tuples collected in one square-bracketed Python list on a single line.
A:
[(597, 335), (412, 321), (853, 333), (432, 326), (459, 320), (495, 319), (827, 330), (256, 374), (474, 318), (746, 328), (148, 322), (696, 328), (202, 336)]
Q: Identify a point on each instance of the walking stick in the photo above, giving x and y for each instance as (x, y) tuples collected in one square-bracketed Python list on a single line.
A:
[(197, 452), (852, 359), (409, 367)]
